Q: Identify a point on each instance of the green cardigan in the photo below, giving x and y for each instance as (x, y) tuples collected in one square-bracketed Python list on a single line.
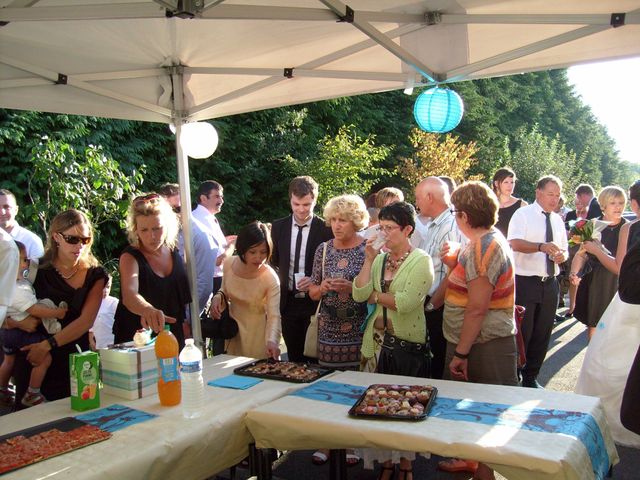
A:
[(409, 287)]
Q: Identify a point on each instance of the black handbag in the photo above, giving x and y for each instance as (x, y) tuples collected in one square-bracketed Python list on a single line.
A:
[(401, 357), (224, 328)]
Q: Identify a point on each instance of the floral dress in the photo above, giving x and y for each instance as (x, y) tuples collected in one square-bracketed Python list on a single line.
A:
[(340, 317)]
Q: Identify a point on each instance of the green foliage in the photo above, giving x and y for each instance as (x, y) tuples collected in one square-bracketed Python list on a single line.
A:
[(345, 163), (535, 155), (88, 181)]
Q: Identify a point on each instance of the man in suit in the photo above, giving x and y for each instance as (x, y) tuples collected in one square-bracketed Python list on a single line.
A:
[(585, 195), (295, 240)]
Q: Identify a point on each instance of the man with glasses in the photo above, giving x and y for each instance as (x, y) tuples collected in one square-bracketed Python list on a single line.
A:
[(8, 212), (211, 246), (434, 201)]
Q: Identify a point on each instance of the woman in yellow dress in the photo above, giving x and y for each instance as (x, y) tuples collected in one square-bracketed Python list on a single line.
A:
[(252, 289)]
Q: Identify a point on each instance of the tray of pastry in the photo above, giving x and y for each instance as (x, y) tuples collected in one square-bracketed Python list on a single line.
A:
[(399, 402), (286, 371)]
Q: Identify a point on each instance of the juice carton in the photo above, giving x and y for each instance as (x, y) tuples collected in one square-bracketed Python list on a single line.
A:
[(84, 376)]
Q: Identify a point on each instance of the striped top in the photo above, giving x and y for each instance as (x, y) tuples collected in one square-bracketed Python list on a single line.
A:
[(489, 256)]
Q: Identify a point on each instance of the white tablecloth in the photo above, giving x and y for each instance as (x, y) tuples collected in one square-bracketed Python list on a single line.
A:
[(166, 447), (520, 442)]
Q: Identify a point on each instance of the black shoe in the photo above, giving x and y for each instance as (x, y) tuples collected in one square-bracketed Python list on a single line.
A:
[(531, 383)]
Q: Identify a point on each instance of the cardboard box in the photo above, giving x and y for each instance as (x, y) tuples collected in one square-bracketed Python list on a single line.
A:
[(131, 394), (129, 372)]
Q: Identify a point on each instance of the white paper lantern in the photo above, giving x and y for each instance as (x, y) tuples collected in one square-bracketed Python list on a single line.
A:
[(198, 139)]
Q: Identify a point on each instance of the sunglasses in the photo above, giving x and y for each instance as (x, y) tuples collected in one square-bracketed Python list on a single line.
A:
[(152, 198), (73, 239)]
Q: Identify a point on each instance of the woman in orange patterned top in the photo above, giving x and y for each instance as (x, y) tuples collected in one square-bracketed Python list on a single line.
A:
[(479, 322)]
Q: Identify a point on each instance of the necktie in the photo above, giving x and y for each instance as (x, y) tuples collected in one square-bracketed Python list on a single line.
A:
[(549, 238), (296, 257)]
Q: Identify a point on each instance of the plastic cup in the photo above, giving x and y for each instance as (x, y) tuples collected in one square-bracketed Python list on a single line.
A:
[(454, 250), (297, 277), (380, 240)]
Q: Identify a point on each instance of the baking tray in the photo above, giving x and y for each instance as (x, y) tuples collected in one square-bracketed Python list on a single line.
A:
[(63, 424), (401, 389), (244, 370)]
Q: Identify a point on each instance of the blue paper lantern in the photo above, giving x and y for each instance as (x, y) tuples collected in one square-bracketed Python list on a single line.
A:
[(438, 110)]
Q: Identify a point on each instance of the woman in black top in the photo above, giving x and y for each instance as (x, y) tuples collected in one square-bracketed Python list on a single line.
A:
[(154, 287), (69, 273), (503, 184)]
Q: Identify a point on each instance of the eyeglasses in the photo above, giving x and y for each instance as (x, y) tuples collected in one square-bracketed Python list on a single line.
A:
[(74, 239), (152, 198), (387, 228), (454, 211)]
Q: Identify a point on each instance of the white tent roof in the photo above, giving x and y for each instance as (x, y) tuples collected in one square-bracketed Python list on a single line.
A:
[(124, 58)]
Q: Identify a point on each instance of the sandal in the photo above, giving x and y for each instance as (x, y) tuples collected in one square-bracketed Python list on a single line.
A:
[(352, 459), (386, 469), (403, 474), (453, 465), (319, 457)]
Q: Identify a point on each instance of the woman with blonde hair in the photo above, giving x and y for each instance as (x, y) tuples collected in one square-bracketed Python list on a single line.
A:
[(335, 265), (154, 288), (68, 273), (594, 269)]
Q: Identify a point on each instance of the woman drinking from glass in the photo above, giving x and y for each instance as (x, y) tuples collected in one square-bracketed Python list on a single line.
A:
[(397, 284), (154, 288)]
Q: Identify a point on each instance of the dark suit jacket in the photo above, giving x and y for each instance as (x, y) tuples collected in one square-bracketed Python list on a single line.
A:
[(280, 258), (594, 210)]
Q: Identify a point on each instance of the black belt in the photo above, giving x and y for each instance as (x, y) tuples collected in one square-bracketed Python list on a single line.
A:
[(542, 279), (391, 341)]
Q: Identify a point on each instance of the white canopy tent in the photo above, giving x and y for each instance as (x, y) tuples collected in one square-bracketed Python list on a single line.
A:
[(176, 61)]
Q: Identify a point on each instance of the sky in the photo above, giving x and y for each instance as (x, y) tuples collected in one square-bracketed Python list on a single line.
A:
[(611, 90)]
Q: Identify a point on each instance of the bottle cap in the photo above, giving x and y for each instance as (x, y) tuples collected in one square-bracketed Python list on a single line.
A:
[(188, 341), (167, 326)]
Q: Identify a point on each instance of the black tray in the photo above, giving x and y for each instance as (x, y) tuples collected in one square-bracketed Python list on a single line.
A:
[(422, 416), (321, 371), (63, 424)]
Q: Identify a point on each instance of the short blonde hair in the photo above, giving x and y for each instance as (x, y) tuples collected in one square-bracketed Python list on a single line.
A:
[(349, 207), (609, 193), (148, 205), (388, 195)]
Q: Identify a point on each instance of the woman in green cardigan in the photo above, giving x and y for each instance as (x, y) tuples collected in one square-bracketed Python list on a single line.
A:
[(396, 284)]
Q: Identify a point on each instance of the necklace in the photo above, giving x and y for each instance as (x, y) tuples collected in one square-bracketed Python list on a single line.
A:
[(393, 265), (67, 277)]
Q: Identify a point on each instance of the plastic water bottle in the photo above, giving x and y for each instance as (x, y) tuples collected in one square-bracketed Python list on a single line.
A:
[(192, 383)]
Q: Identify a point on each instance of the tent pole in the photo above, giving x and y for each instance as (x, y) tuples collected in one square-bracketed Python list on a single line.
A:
[(185, 215)]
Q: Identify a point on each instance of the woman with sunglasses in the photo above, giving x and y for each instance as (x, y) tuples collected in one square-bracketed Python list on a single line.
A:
[(154, 287), (396, 283), (68, 273)]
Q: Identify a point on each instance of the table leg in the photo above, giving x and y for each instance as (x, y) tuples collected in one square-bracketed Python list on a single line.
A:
[(338, 464), (264, 464), (253, 460)]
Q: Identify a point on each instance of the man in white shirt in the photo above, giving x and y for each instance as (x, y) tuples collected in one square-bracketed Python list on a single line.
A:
[(10, 260), (539, 242), (8, 212), (211, 246), (434, 201)]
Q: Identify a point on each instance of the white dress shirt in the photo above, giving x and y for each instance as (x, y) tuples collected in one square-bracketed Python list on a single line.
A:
[(31, 241), (529, 223), (10, 261), (303, 248), (211, 224)]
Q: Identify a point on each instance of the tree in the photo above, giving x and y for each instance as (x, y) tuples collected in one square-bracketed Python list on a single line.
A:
[(60, 178), (346, 163), (437, 155), (535, 155)]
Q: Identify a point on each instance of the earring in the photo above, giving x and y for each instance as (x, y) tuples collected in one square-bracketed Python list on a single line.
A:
[(25, 273)]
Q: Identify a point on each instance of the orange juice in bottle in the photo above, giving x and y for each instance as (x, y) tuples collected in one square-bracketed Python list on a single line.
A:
[(166, 349)]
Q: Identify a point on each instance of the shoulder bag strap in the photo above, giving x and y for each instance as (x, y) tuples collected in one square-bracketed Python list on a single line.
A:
[(324, 255), (382, 289)]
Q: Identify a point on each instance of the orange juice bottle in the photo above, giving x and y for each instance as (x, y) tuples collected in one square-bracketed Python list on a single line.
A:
[(166, 349)]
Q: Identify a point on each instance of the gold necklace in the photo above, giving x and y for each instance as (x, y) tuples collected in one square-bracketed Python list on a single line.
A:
[(67, 277), (394, 265)]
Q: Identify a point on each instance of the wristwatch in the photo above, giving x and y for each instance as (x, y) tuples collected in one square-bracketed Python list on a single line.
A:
[(429, 307), (52, 342)]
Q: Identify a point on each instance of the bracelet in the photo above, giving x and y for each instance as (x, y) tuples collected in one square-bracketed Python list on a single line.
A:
[(52, 342), (459, 355), (539, 247)]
